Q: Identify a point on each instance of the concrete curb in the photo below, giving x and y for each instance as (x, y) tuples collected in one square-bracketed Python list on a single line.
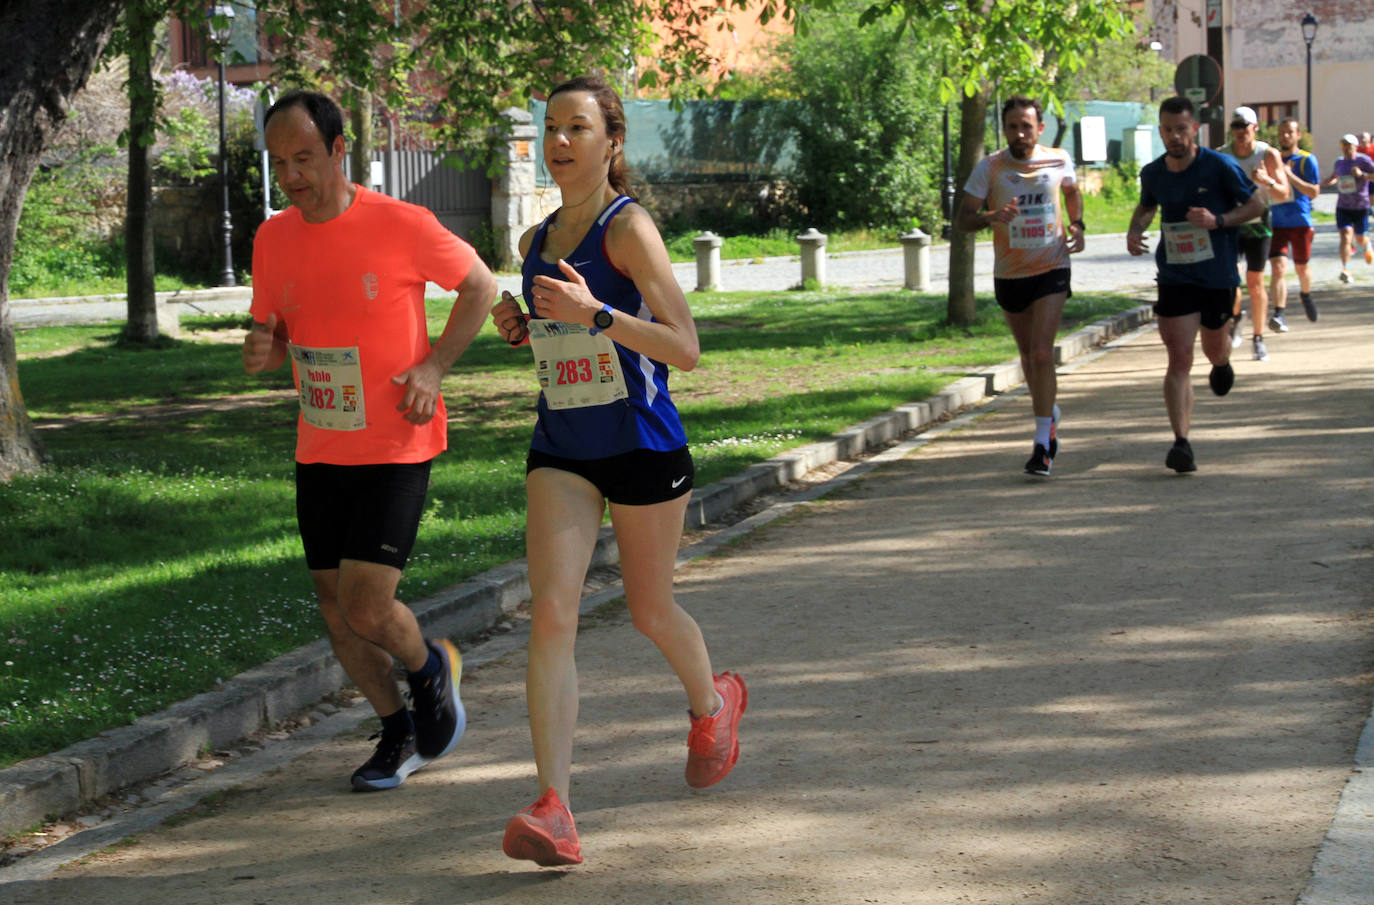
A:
[(67, 780), (180, 296)]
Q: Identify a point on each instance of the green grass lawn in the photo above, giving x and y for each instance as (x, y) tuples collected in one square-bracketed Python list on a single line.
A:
[(159, 553)]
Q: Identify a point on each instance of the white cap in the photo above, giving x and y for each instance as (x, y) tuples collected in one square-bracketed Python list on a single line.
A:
[(1244, 115), (1350, 139)]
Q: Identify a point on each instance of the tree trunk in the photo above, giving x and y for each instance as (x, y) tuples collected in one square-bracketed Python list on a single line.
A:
[(973, 110), (47, 51), (360, 118), (138, 224)]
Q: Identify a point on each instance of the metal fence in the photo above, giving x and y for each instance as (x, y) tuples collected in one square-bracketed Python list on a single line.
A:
[(460, 198)]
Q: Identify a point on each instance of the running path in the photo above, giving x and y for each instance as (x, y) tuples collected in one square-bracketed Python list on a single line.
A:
[(1116, 686)]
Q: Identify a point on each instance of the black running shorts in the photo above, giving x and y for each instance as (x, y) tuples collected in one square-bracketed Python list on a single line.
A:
[(370, 513), (1180, 299), (1016, 294), (640, 477), (1256, 250)]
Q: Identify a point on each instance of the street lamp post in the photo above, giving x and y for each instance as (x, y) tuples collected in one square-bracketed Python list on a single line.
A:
[(1309, 34), (221, 25)]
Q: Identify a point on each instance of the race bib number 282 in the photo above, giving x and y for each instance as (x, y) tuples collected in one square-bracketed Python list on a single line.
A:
[(331, 384)]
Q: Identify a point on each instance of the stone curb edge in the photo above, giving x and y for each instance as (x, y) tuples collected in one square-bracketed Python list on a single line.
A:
[(58, 783)]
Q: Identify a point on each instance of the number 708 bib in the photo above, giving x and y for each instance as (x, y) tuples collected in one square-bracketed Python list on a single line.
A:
[(575, 368)]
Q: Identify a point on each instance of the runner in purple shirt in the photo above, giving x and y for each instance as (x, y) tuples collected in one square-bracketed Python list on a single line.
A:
[(1351, 174)]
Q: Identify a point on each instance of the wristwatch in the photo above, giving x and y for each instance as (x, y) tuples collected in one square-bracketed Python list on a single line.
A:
[(1079, 224), (603, 319), (1221, 224)]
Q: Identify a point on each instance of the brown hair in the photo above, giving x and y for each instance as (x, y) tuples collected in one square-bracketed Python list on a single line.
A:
[(614, 114), (1021, 102)]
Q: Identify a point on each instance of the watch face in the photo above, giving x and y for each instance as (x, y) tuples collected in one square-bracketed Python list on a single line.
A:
[(602, 319)]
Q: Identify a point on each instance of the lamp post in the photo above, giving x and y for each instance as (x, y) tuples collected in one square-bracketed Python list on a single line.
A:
[(1309, 34), (221, 26)]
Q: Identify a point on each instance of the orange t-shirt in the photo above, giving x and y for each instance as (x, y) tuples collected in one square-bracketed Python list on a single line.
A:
[(1034, 243), (351, 292)]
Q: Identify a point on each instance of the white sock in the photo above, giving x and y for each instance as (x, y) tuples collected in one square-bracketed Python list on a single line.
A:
[(1042, 430)]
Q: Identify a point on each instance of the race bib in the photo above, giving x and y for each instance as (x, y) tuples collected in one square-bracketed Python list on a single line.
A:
[(331, 382), (575, 368), (1035, 226), (1347, 184), (1185, 243)]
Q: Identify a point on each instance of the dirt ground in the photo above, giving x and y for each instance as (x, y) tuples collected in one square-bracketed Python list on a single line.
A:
[(1118, 685)]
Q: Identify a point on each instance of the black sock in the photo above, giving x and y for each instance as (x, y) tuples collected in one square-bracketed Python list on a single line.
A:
[(428, 671), (397, 723), (1179, 438)]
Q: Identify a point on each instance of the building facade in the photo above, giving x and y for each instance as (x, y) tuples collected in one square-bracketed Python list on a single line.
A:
[(1263, 56)]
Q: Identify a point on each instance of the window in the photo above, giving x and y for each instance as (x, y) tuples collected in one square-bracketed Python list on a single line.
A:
[(1273, 111), (243, 40)]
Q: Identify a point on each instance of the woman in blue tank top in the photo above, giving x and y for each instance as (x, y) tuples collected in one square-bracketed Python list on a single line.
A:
[(606, 319)]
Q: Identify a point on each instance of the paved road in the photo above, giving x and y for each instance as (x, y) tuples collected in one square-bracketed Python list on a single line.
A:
[(1116, 686), (1103, 266)]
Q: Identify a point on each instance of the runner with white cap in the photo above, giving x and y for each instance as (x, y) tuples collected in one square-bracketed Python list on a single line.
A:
[(1350, 174)]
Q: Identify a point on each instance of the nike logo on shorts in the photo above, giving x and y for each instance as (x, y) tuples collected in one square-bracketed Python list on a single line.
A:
[(678, 482)]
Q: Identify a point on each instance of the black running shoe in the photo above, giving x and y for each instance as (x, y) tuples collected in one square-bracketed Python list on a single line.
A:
[(1222, 378), (393, 760), (1040, 461), (1180, 457), (1309, 306), (439, 715)]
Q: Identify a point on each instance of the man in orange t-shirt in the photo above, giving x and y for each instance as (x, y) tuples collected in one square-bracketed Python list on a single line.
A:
[(338, 287)]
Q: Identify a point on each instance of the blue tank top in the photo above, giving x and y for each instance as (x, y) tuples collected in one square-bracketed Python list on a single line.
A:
[(647, 418), (1298, 212)]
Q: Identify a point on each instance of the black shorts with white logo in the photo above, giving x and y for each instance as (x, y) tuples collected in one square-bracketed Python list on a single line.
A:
[(640, 477), (1016, 294), (370, 513)]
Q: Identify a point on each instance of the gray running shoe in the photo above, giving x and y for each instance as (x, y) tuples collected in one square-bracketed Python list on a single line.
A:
[(1277, 323), (1236, 338), (1261, 353), (392, 761)]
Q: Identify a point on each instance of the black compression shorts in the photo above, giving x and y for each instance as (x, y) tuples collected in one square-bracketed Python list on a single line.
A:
[(370, 513)]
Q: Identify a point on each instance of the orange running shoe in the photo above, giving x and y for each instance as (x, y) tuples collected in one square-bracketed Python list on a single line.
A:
[(713, 745), (543, 833)]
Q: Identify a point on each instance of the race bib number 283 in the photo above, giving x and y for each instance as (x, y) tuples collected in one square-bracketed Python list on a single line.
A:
[(575, 368)]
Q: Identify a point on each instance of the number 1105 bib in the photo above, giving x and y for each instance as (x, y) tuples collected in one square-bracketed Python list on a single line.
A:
[(575, 368)]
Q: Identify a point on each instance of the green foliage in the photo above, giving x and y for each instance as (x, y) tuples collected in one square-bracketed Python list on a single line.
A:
[(865, 124), (1121, 182), (54, 243), (1022, 46), (1121, 69)]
